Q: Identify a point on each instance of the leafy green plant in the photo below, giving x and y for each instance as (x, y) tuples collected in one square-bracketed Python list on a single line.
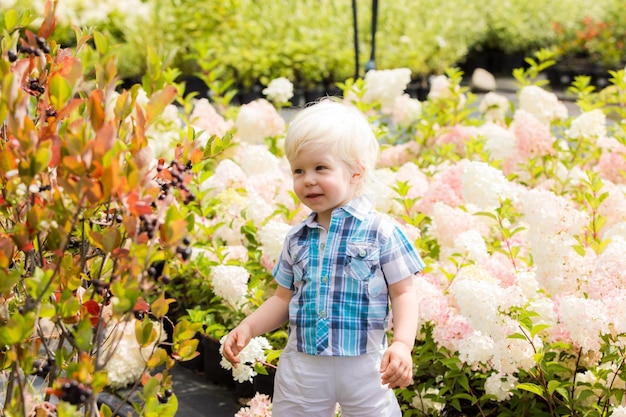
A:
[(88, 242)]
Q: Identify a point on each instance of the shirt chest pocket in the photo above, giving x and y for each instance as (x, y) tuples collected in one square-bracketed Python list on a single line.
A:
[(363, 264)]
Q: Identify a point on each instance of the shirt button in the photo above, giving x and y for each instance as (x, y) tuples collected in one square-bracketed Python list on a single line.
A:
[(322, 246), (325, 280), (322, 314), (362, 253)]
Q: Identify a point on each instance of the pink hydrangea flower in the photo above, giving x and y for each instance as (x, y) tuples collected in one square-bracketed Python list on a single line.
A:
[(205, 117), (533, 137)]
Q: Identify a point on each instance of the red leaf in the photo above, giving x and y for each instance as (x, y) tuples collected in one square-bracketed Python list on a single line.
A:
[(141, 305)]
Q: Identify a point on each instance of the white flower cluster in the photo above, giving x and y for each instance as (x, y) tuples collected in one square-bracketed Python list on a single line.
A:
[(384, 86), (619, 411), (585, 320), (257, 159), (424, 402), (405, 110), (441, 88), (545, 106), (485, 186), (500, 385), (272, 236), (590, 125), (279, 90), (124, 359), (553, 223), (258, 120), (494, 107), (254, 352), (499, 141), (231, 283)]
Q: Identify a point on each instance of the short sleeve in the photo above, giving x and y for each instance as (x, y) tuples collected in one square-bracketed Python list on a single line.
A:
[(399, 258)]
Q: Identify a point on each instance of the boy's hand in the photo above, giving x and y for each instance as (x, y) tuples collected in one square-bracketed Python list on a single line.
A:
[(397, 366), (236, 340)]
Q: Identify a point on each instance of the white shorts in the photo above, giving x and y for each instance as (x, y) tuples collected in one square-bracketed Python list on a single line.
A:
[(311, 386)]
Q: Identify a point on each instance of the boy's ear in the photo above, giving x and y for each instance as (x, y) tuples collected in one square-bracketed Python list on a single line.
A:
[(358, 174)]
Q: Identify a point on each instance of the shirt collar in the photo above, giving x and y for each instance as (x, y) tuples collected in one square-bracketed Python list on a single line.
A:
[(357, 207)]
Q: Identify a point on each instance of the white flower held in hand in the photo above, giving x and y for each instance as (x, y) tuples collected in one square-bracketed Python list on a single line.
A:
[(251, 354)]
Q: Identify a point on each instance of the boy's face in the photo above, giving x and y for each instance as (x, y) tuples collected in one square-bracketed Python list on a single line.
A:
[(322, 182)]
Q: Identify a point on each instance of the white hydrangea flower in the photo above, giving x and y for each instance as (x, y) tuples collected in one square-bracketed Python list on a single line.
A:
[(254, 352), (381, 191), (545, 106), (125, 358), (499, 141), (272, 236), (226, 175), (405, 110), (258, 120), (441, 88), (472, 245), (586, 320), (500, 385), (485, 186), (428, 406), (494, 107), (384, 86), (257, 208), (619, 411), (589, 125), (548, 214), (231, 283), (257, 159), (476, 350), (279, 90), (511, 355)]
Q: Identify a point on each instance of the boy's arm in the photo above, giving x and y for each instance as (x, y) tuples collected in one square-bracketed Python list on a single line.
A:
[(269, 316), (397, 363)]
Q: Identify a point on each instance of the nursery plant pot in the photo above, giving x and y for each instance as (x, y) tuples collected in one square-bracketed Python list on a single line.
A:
[(244, 390), (264, 384), (562, 74), (213, 371), (418, 89)]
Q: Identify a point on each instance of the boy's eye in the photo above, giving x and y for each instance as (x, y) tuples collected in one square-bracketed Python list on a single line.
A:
[(320, 167), (297, 171)]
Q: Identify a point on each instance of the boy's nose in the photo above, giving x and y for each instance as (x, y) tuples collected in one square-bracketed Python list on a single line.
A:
[(309, 179)]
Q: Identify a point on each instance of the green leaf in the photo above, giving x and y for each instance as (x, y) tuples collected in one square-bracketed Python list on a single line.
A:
[(83, 334), (101, 42), (17, 329), (553, 385), (42, 158), (534, 388), (59, 91), (10, 20), (260, 369), (8, 280), (69, 309), (145, 333), (538, 328)]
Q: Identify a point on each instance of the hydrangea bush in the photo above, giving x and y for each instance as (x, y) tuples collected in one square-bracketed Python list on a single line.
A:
[(94, 225), (518, 208)]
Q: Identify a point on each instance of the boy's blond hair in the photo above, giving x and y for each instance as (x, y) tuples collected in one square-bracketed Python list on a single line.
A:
[(339, 128)]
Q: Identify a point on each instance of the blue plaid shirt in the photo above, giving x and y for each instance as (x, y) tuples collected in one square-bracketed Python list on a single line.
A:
[(340, 304)]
